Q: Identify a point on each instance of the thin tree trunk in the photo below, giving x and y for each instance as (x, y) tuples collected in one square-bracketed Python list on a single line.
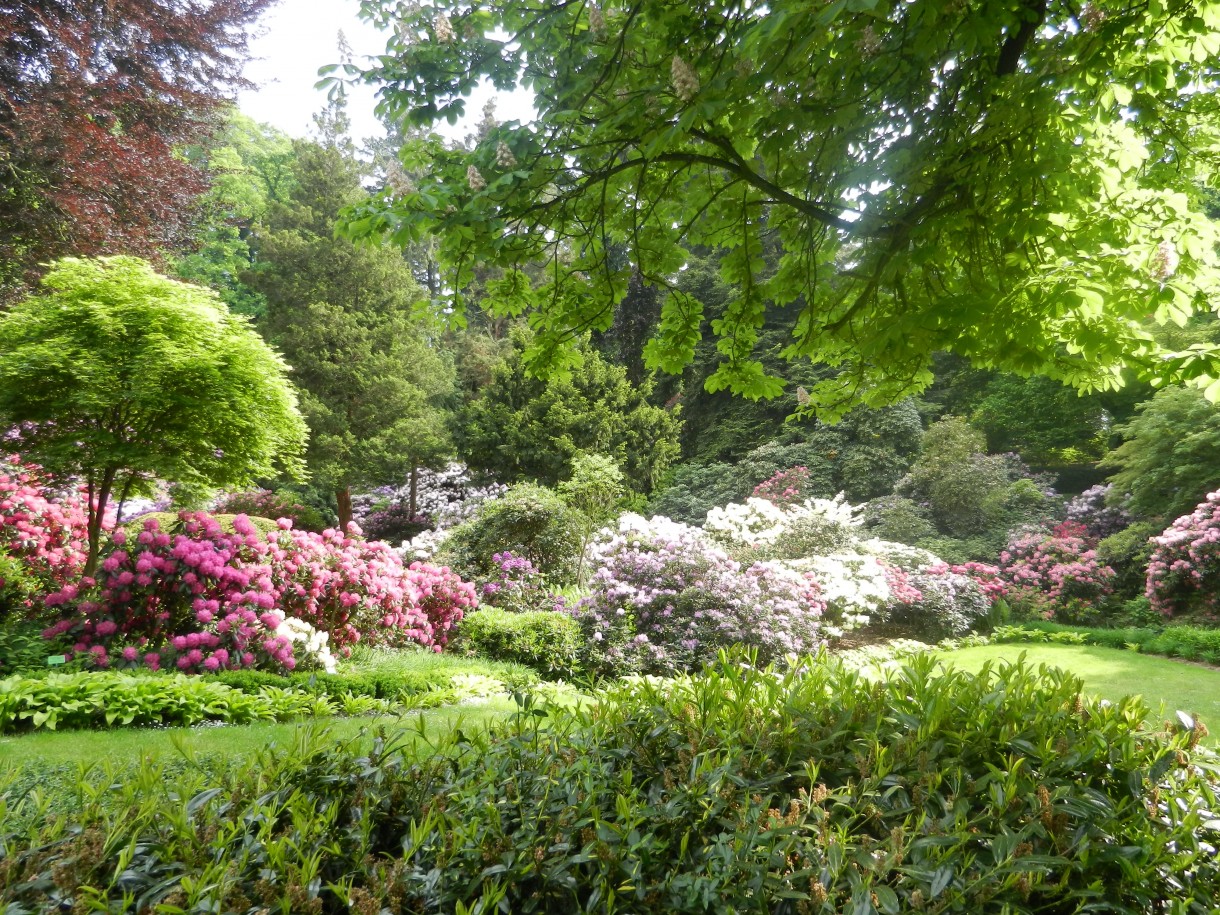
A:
[(414, 502), (344, 497), (99, 496)]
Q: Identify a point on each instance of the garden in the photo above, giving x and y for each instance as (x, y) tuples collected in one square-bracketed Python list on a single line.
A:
[(770, 480)]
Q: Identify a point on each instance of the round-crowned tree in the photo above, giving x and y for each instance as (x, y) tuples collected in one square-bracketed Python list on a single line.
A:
[(116, 375)]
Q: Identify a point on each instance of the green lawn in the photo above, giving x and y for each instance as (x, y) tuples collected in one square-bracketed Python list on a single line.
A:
[(128, 745), (1112, 674)]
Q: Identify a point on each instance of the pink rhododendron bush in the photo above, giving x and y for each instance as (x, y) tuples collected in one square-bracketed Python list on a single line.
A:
[(1184, 571), (1057, 574), (43, 536), (203, 599)]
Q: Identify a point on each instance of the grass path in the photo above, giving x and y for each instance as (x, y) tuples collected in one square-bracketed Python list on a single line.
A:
[(129, 745), (1112, 674)]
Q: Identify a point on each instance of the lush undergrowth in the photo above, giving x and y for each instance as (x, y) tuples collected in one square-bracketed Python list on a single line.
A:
[(1190, 643), (815, 791)]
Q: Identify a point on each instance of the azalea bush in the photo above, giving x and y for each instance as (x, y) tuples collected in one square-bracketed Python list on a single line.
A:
[(1056, 574), (1184, 569), (207, 599), (665, 598), (517, 586), (1096, 509), (43, 537), (763, 529), (784, 487), (938, 602), (445, 498)]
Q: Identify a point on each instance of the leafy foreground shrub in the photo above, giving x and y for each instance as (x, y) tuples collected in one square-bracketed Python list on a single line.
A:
[(545, 640), (742, 790)]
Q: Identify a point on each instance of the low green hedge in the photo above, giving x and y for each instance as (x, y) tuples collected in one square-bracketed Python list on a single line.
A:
[(740, 790), (1190, 643), (544, 640), (93, 699)]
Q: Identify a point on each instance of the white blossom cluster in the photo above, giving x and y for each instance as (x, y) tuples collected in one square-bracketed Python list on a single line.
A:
[(759, 522), (853, 584), (307, 643)]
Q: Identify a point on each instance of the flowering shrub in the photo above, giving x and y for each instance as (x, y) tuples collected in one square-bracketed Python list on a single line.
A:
[(989, 578), (1056, 574), (394, 523), (855, 587), (665, 598), (1184, 571), (263, 503), (518, 586), (445, 498), (1100, 519), (947, 602), (43, 536), (205, 599), (785, 487), (760, 529)]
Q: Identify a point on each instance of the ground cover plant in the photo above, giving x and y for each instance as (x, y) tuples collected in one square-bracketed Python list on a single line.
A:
[(813, 790)]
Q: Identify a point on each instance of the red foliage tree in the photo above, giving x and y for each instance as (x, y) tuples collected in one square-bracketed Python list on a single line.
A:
[(95, 97)]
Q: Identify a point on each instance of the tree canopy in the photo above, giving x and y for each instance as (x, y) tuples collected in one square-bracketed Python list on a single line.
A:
[(1017, 182), (95, 99), (117, 375)]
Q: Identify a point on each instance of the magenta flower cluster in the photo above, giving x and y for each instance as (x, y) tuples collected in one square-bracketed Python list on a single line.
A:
[(205, 599), (1051, 572), (1184, 570), (44, 532), (667, 600), (784, 487)]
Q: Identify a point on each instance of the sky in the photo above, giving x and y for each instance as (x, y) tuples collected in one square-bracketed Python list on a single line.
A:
[(295, 38)]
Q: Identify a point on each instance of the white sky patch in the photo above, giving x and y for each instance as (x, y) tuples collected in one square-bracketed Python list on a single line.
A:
[(296, 37)]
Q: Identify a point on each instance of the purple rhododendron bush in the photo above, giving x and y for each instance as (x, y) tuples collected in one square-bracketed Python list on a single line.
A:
[(203, 599), (1184, 571)]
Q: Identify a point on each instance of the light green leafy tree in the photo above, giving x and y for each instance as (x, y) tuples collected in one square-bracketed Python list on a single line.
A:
[(117, 376), (1170, 459), (595, 489), (1016, 182)]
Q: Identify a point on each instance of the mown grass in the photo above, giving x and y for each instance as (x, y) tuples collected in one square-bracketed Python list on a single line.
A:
[(1112, 673)]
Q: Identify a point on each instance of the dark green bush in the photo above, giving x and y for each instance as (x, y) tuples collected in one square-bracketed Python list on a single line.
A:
[(528, 520), (24, 650), (742, 790), (546, 640), (1127, 553)]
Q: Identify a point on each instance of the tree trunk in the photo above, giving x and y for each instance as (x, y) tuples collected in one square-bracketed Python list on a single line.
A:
[(344, 497), (414, 501), (99, 497)]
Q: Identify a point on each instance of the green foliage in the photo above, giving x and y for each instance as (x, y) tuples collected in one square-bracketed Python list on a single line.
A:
[(741, 789), (1190, 643), (525, 428), (92, 699), (122, 376), (528, 520), (545, 640), (595, 490), (1170, 459), (1042, 420), (1127, 553), (23, 649), (958, 501), (374, 382), (249, 167), (1025, 207)]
